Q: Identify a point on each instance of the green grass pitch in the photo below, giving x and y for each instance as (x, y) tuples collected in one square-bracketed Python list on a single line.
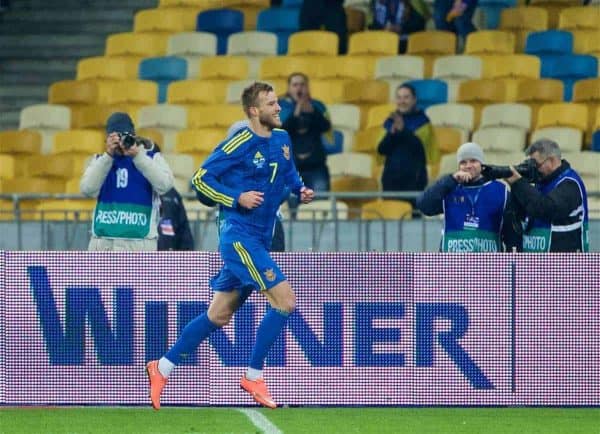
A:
[(367, 420)]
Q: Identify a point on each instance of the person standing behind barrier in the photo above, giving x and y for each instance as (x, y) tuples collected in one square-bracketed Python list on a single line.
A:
[(455, 16), (174, 231), (400, 16), (474, 208), (246, 176), (127, 181), (408, 134), (556, 207), (326, 15)]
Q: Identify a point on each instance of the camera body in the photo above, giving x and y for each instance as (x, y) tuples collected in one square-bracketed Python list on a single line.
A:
[(527, 169), (128, 140)]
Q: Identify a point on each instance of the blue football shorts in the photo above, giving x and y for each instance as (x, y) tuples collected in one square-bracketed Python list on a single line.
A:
[(247, 266)]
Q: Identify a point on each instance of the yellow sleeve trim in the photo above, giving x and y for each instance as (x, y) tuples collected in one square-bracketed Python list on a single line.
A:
[(210, 192), (236, 141)]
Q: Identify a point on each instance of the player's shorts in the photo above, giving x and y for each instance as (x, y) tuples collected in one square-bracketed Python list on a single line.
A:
[(247, 266)]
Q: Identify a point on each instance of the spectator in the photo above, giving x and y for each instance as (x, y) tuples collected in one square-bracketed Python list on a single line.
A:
[(326, 14), (306, 120), (401, 16), (556, 207), (455, 16), (127, 180), (408, 139), (174, 231), (476, 210)]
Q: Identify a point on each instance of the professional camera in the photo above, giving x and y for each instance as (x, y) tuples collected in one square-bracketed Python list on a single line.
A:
[(128, 140), (527, 169)]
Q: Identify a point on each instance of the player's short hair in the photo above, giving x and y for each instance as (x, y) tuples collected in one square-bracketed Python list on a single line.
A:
[(297, 74), (251, 93)]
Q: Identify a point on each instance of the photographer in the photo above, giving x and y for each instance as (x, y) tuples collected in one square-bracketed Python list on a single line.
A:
[(475, 209), (128, 180), (555, 208)]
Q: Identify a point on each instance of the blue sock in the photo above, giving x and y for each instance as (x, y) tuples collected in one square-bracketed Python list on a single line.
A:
[(273, 322), (192, 335)]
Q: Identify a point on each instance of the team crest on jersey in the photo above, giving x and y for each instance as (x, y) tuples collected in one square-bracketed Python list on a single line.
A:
[(286, 151), (259, 160), (270, 275)]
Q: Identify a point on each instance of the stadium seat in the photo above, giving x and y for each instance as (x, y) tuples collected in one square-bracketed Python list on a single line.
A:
[(588, 92), (448, 164), (430, 92), (456, 69), (197, 211), (492, 9), (328, 91), (9, 165), (323, 209), (386, 210), (373, 43), (485, 42), (203, 140), (221, 22), (73, 92), (280, 67), (506, 115), (430, 45), (192, 46), (107, 68), (377, 115), (45, 119), (395, 70), (350, 164), (20, 142), (511, 66), (534, 93), (132, 92), (136, 45), (193, 92), (587, 164), (448, 139), (569, 69), (579, 18), (252, 43), (313, 43), (78, 210), (281, 21), (586, 42), (163, 71), (160, 20), (36, 185), (224, 68), (479, 93), (365, 94), (346, 119), (182, 165), (95, 116), (367, 139), (554, 7), (57, 166), (214, 116), (168, 119), (500, 139), (453, 115), (549, 42), (523, 20), (563, 115), (152, 134), (347, 67), (84, 142), (569, 139)]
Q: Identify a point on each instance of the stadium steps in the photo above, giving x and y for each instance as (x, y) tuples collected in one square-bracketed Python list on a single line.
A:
[(43, 40)]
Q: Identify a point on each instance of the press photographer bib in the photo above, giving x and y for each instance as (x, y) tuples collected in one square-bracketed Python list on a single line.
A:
[(119, 220)]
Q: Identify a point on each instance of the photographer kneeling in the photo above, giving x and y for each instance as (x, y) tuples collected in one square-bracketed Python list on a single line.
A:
[(475, 208), (128, 180), (555, 208)]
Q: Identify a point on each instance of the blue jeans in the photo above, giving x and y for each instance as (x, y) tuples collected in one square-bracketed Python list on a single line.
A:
[(462, 25)]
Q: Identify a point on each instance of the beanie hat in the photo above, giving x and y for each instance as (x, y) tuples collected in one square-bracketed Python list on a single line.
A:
[(236, 127), (119, 123), (468, 151)]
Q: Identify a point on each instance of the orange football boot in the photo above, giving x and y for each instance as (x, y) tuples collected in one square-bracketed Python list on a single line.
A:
[(157, 383), (258, 390)]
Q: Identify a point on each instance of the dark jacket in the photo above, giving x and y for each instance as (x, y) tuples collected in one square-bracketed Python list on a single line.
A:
[(413, 19), (305, 131), (556, 206), (173, 228)]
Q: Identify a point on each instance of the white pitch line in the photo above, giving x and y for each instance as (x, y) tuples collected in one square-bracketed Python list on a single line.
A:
[(260, 421)]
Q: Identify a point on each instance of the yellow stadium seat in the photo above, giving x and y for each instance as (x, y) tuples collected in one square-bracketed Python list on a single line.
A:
[(280, 67), (346, 67), (588, 92), (454, 115), (554, 7), (511, 66), (214, 116), (448, 139), (132, 92), (313, 43), (563, 115), (586, 42), (521, 21), (224, 68), (186, 3), (579, 18), (431, 45), (479, 93), (79, 141), (107, 68), (378, 43), (386, 210), (73, 92), (95, 116), (190, 92), (65, 209), (377, 115), (59, 166), (569, 139), (20, 142), (200, 140), (322, 209), (485, 42), (500, 139), (9, 166), (355, 20), (367, 140), (252, 43), (328, 91), (534, 93), (31, 184), (159, 21), (137, 44), (354, 184), (366, 94)]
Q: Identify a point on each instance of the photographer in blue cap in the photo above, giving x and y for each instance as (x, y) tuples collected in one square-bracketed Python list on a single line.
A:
[(127, 179)]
